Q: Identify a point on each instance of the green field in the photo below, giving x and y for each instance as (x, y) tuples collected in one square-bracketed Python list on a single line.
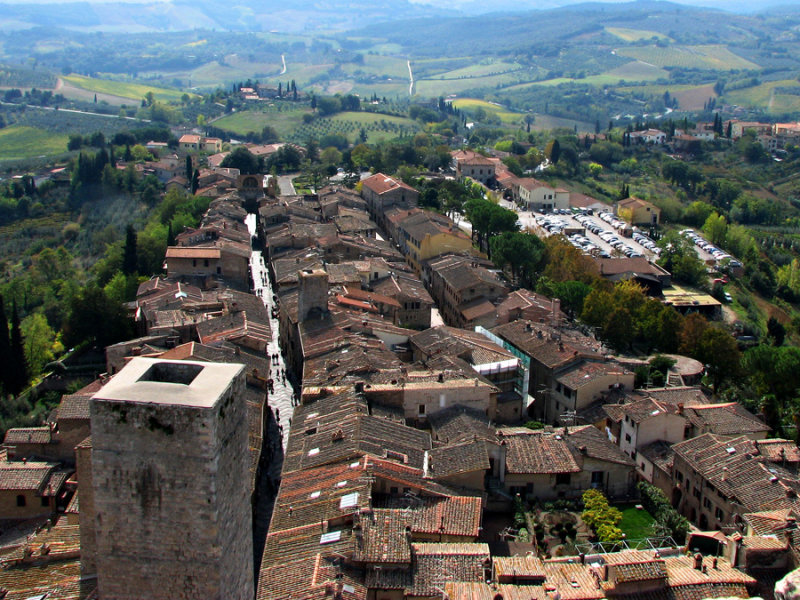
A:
[(635, 35), (482, 69), (134, 91), (767, 96), (246, 121), (505, 115), (377, 127), (29, 142), (691, 57), (632, 71), (636, 524)]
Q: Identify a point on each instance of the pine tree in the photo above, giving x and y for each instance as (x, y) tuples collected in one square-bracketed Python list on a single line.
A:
[(19, 366), (5, 350), (129, 257)]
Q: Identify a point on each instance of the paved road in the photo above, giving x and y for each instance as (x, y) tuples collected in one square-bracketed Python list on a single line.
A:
[(286, 186)]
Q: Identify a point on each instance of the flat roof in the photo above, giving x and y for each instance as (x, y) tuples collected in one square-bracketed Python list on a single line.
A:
[(170, 382)]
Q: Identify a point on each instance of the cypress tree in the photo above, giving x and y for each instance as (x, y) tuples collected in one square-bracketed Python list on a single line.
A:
[(129, 257), (170, 235), (19, 366), (195, 181), (189, 168), (5, 349)]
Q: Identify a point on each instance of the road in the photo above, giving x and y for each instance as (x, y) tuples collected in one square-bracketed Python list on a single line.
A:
[(283, 60), (281, 398), (285, 184), (411, 79)]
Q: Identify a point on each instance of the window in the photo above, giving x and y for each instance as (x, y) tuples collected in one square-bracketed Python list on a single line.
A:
[(679, 476), (421, 410), (706, 503), (393, 490), (597, 478), (563, 478), (194, 262), (529, 488), (718, 513), (21, 500), (45, 501), (205, 262), (627, 437)]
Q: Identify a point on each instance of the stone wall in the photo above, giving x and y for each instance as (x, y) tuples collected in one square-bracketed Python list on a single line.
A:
[(173, 515)]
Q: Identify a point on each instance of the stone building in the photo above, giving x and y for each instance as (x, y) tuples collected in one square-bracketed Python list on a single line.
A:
[(170, 472)]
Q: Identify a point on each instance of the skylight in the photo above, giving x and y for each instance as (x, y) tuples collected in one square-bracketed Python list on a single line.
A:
[(349, 500), (314, 495), (330, 537), (313, 452)]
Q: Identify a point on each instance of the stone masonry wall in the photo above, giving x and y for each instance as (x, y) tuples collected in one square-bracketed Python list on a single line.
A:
[(173, 514)]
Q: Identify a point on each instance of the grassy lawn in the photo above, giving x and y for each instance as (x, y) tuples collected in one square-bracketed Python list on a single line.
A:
[(134, 91), (636, 524), (29, 142)]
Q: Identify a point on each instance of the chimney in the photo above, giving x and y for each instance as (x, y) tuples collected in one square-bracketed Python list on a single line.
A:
[(697, 562)]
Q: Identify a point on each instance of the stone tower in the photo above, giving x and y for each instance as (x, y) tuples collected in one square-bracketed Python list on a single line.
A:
[(170, 478), (313, 296)]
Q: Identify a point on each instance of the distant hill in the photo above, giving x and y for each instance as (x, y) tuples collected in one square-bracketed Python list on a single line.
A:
[(181, 15)]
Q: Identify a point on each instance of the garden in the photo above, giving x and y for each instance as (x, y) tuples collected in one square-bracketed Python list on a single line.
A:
[(567, 527)]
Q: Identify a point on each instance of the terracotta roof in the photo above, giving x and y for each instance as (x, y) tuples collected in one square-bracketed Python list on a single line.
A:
[(584, 373), (519, 566), (659, 453), (74, 406), (380, 184), (737, 470), (192, 252), (25, 475), (725, 419), (28, 435), (460, 423), (589, 441), (547, 345), (468, 457), (436, 564), (539, 453)]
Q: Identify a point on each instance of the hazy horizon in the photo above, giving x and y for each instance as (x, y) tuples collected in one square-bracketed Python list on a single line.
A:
[(478, 6)]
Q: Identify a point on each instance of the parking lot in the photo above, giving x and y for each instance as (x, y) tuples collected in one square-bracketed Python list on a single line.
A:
[(602, 234), (597, 234), (707, 252)]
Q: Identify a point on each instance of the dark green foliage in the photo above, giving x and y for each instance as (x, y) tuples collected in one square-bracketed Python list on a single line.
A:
[(776, 331), (96, 319), (244, 160), (668, 520), (18, 376), (489, 219), (129, 257), (522, 252), (6, 372)]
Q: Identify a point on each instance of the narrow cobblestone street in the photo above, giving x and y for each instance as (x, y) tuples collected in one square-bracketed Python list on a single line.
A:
[(278, 417), (282, 395)]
